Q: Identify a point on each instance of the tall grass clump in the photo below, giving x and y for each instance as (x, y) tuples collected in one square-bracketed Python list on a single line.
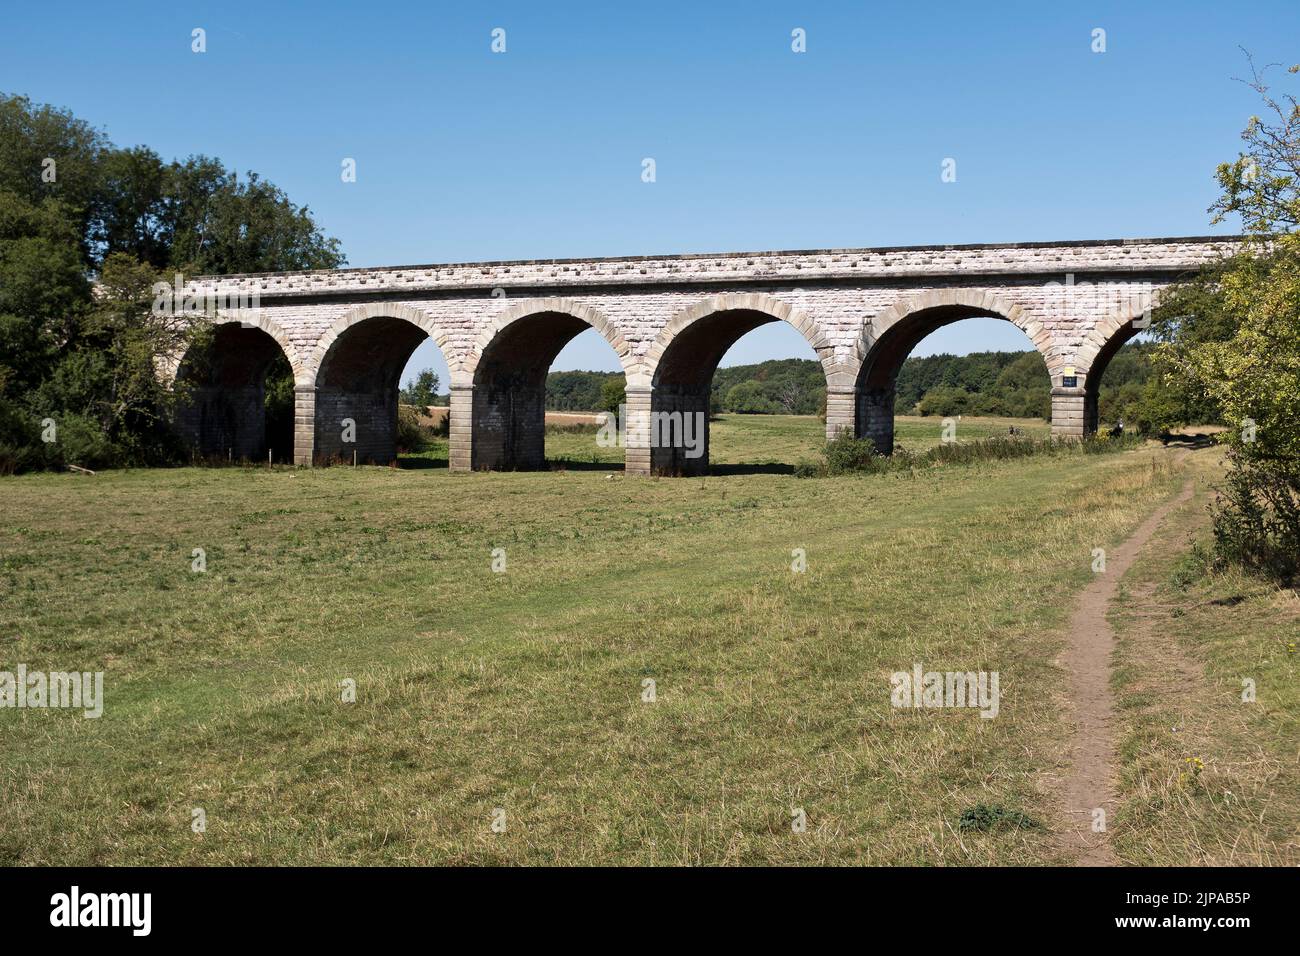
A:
[(847, 455)]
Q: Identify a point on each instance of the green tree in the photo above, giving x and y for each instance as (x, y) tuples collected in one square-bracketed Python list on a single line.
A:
[(748, 398), (422, 391), (577, 391), (613, 393), (47, 154), (789, 386), (216, 223), (109, 383), (1253, 374), (1190, 315), (946, 400), (44, 291), (86, 229)]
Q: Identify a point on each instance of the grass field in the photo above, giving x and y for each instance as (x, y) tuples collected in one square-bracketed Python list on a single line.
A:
[(1208, 778), (522, 692), (776, 442)]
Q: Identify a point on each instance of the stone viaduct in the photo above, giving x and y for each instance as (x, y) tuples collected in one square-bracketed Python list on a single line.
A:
[(348, 333)]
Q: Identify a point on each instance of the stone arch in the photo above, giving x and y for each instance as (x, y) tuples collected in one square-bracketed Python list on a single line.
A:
[(1100, 345), (677, 371), (961, 304), (532, 308), (353, 376), (373, 310), (504, 376), (221, 410), (750, 302), (169, 367), (890, 336)]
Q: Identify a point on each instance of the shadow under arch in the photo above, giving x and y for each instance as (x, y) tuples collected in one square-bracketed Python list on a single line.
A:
[(890, 337), (357, 366), (507, 370), (222, 409), (678, 371)]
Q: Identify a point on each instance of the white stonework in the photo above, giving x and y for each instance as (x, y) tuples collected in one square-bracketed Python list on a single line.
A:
[(1074, 300)]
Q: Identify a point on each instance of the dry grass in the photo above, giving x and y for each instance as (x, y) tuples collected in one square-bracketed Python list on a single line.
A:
[(775, 441), (522, 691), (1188, 639)]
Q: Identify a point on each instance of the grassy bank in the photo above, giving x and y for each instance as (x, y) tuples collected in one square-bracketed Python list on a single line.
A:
[(1208, 778), (522, 691)]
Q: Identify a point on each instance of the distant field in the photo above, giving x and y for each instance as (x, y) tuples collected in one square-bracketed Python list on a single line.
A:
[(769, 439), (435, 415), (522, 692)]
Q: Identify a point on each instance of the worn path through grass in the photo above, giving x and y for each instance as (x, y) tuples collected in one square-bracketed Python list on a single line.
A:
[(1088, 789), (1207, 687)]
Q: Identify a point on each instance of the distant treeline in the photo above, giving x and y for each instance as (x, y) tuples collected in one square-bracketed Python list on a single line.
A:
[(1013, 384), (778, 386), (577, 391)]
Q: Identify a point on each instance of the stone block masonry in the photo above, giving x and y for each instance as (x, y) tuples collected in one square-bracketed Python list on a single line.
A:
[(348, 333)]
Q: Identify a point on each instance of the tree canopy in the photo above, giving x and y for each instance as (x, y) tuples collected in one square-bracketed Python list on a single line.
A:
[(86, 229), (1232, 338)]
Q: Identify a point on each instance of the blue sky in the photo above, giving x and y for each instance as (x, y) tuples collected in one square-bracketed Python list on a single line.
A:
[(464, 154)]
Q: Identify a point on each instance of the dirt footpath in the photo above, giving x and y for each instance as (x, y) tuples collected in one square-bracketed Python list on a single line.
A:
[(1089, 783)]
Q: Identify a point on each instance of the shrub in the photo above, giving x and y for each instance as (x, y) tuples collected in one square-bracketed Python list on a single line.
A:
[(19, 438), (945, 401), (441, 427), (804, 468), (13, 458), (1257, 517), (1103, 442), (845, 454), (1191, 567), (989, 449), (81, 441), (571, 428), (411, 435), (78, 440)]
